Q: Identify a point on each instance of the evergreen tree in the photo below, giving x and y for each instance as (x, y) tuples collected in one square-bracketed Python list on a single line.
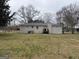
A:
[(5, 17)]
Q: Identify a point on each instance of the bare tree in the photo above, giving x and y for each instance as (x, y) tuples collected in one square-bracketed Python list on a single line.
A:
[(47, 17), (68, 16), (27, 14)]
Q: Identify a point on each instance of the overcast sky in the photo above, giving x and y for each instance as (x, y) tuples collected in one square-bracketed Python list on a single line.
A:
[(44, 5)]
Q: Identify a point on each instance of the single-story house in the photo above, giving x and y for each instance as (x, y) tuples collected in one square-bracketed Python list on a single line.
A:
[(41, 28), (77, 28)]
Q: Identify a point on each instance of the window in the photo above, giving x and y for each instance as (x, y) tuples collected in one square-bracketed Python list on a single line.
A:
[(37, 27)]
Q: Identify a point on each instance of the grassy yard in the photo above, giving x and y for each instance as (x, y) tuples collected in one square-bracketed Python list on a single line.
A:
[(39, 46)]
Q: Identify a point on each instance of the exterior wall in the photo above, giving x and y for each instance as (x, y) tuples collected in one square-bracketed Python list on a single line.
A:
[(56, 30), (50, 28), (23, 29), (34, 29), (39, 29)]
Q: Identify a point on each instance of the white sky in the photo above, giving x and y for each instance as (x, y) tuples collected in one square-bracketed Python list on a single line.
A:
[(45, 5)]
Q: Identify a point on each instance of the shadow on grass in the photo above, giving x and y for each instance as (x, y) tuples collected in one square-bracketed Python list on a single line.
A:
[(5, 34)]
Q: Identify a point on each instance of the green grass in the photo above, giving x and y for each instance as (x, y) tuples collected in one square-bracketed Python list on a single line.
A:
[(39, 46)]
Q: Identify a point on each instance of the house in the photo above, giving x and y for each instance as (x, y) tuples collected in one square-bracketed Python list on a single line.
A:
[(77, 28), (41, 28)]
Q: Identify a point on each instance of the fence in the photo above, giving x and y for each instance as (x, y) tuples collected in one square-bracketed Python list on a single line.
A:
[(9, 29)]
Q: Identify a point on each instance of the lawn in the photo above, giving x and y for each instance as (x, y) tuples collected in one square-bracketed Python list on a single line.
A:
[(39, 46)]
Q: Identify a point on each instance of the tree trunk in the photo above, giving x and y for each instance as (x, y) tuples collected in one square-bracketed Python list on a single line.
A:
[(62, 28), (72, 29)]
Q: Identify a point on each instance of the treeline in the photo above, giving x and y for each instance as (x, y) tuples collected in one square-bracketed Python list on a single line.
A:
[(68, 17)]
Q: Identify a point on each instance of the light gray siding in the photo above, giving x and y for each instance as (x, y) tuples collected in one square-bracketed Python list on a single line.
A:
[(38, 28), (56, 30), (25, 29)]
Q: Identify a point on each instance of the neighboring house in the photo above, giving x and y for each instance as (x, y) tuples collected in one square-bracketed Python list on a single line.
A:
[(41, 28), (77, 28)]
